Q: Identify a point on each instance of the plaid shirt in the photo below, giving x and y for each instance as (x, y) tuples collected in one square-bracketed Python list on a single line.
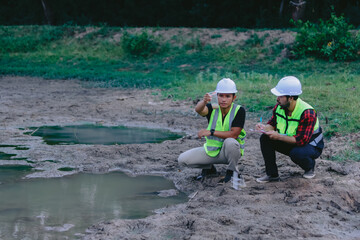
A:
[(305, 128)]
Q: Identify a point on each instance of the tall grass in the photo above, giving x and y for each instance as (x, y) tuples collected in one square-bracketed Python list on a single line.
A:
[(187, 69)]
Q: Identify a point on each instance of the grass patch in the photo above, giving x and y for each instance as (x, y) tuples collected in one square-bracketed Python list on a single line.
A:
[(352, 152)]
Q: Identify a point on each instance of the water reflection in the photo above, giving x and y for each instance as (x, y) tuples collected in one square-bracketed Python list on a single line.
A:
[(60, 208)]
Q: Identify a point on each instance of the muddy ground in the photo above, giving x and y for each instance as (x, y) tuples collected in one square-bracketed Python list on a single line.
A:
[(326, 207)]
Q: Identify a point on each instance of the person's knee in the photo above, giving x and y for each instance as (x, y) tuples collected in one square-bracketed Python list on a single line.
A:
[(182, 160), (231, 143), (299, 154), (232, 150), (264, 138)]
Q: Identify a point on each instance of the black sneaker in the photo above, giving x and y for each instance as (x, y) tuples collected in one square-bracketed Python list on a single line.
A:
[(228, 175), (267, 178), (206, 173), (309, 174)]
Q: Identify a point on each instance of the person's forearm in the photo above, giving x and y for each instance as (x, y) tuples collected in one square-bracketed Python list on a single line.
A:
[(226, 134), (273, 135), (233, 133), (200, 106), (287, 139)]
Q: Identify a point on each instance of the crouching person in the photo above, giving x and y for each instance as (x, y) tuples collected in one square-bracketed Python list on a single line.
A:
[(224, 134), (293, 130)]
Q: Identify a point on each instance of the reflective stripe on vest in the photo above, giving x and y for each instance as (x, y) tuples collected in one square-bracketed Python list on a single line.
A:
[(213, 144), (316, 140), (289, 124)]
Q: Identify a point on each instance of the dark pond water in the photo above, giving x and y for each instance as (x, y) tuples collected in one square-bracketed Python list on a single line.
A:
[(94, 134), (62, 208)]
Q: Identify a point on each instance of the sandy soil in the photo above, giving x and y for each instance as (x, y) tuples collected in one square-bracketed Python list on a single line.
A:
[(326, 207)]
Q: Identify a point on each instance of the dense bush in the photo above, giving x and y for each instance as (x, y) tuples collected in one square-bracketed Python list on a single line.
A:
[(140, 45), (327, 39)]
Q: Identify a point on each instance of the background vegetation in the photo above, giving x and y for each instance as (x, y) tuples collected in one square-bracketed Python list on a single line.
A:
[(174, 13), (329, 39)]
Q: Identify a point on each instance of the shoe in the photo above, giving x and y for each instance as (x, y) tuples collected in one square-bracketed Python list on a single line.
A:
[(206, 173), (267, 178), (227, 178), (309, 174)]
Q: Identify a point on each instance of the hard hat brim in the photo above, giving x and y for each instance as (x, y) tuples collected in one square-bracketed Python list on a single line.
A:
[(276, 92), (225, 91)]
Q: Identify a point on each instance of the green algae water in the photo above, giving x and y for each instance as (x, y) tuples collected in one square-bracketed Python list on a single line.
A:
[(94, 134), (62, 208)]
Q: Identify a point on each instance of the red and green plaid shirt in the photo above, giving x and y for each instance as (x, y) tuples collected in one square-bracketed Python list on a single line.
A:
[(305, 128)]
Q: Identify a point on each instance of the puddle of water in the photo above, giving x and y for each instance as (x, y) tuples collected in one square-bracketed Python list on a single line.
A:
[(9, 156), (94, 134), (13, 173), (62, 208), (51, 161), (6, 156), (66, 169), (16, 147)]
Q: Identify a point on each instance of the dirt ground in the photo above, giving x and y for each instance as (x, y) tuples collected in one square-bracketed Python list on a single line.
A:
[(326, 207)]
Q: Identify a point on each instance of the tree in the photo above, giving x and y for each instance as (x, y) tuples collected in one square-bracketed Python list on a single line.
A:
[(47, 12), (297, 9)]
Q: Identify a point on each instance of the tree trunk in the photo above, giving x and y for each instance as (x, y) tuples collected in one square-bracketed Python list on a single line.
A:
[(47, 12), (281, 8), (298, 9)]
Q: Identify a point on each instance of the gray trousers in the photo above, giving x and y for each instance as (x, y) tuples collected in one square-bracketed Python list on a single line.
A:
[(197, 157)]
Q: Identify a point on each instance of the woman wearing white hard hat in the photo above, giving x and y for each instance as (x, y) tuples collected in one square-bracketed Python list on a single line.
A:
[(293, 130), (224, 134)]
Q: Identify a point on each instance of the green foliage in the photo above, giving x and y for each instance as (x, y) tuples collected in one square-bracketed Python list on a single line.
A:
[(140, 45), (329, 40), (255, 40), (239, 30), (22, 39), (216, 36), (194, 44)]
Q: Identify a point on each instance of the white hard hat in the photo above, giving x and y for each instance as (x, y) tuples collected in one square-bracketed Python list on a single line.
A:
[(289, 85), (226, 85)]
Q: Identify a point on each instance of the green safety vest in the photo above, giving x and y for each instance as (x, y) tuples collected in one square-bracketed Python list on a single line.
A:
[(288, 125), (213, 144)]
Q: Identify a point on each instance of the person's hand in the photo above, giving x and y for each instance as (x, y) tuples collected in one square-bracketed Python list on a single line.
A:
[(207, 98), (273, 135), (203, 133), (260, 127)]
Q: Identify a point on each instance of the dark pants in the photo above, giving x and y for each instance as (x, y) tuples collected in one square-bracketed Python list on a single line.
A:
[(303, 156)]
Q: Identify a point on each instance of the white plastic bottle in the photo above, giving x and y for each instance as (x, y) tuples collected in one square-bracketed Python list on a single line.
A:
[(238, 182)]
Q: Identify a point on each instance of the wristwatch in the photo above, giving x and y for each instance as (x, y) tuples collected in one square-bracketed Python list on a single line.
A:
[(212, 132)]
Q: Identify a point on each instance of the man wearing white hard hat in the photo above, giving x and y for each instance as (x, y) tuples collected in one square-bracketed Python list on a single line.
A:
[(224, 134), (293, 130)]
